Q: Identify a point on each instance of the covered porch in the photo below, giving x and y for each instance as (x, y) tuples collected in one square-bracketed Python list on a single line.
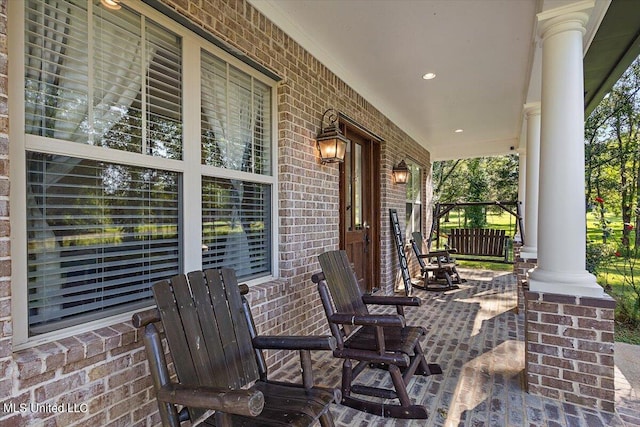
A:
[(477, 335), (497, 97)]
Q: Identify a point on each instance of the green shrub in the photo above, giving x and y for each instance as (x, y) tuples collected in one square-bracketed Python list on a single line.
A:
[(596, 254)]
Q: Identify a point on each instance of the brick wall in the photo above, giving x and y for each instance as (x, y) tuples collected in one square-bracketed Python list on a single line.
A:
[(105, 371), (394, 196), (570, 349)]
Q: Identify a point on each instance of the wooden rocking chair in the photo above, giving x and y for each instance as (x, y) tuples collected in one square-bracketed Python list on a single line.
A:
[(373, 340), (221, 372), (438, 269)]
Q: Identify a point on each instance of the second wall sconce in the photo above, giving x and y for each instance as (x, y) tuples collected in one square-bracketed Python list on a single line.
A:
[(331, 142), (401, 173)]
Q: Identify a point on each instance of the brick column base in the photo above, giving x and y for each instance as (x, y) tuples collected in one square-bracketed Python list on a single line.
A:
[(569, 348), (521, 268)]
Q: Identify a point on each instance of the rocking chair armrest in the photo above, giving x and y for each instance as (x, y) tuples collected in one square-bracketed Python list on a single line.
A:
[(392, 320), (304, 344), (143, 318), (391, 300), (440, 253), (294, 342), (241, 402)]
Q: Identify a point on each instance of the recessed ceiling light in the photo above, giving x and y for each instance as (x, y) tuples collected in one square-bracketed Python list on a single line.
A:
[(459, 130), (111, 4), (429, 76)]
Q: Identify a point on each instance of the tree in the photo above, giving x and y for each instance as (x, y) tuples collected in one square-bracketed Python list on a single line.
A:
[(612, 142), (503, 177), (454, 180), (448, 178), (477, 190)]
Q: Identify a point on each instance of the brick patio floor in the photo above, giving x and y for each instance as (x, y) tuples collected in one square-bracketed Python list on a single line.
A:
[(477, 337)]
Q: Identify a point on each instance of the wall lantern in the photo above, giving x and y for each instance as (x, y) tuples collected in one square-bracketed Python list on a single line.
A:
[(331, 142), (401, 173)]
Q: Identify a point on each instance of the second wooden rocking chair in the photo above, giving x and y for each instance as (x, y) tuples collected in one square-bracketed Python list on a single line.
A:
[(372, 340), (439, 272)]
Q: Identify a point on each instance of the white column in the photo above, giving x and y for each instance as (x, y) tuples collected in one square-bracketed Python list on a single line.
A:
[(561, 209), (530, 248), (522, 180)]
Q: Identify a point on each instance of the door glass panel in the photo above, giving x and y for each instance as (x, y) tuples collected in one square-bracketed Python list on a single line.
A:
[(348, 188), (357, 184)]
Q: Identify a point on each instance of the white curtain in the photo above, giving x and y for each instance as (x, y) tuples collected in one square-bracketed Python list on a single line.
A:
[(228, 108), (57, 100)]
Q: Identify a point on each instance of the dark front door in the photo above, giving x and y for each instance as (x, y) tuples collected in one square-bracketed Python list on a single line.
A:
[(359, 210)]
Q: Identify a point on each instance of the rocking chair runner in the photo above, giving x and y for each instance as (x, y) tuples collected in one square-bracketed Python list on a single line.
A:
[(438, 269), (373, 340), (218, 359)]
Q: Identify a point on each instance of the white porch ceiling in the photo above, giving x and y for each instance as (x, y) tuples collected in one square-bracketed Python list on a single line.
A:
[(484, 52)]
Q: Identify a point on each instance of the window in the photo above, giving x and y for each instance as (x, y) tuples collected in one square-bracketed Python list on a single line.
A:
[(414, 200), (98, 235), (236, 135), (109, 167)]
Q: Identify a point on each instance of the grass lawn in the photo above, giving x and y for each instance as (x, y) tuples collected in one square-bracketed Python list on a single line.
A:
[(496, 218), (483, 265)]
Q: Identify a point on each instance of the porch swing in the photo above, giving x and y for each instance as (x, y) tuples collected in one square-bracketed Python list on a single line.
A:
[(476, 244)]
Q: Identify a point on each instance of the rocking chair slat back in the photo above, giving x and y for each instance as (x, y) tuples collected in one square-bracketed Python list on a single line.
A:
[(416, 244), (174, 325), (337, 271), (213, 333), (244, 352), (211, 340)]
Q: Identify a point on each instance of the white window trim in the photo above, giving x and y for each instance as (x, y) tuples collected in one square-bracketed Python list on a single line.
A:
[(418, 202), (19, 143)]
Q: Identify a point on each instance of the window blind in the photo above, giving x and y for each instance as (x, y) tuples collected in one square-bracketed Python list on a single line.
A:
[(89, 89), (98, 237), (236, 226), (164, 93)]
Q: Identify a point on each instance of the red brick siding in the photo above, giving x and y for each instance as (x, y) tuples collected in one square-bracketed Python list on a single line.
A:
[(521, 268), (570, 348)]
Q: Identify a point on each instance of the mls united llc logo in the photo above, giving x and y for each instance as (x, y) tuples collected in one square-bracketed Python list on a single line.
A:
[(45, 407)]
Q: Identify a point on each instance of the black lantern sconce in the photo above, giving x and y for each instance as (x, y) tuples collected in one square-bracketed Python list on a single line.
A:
[(331, 143), (401, 173)]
